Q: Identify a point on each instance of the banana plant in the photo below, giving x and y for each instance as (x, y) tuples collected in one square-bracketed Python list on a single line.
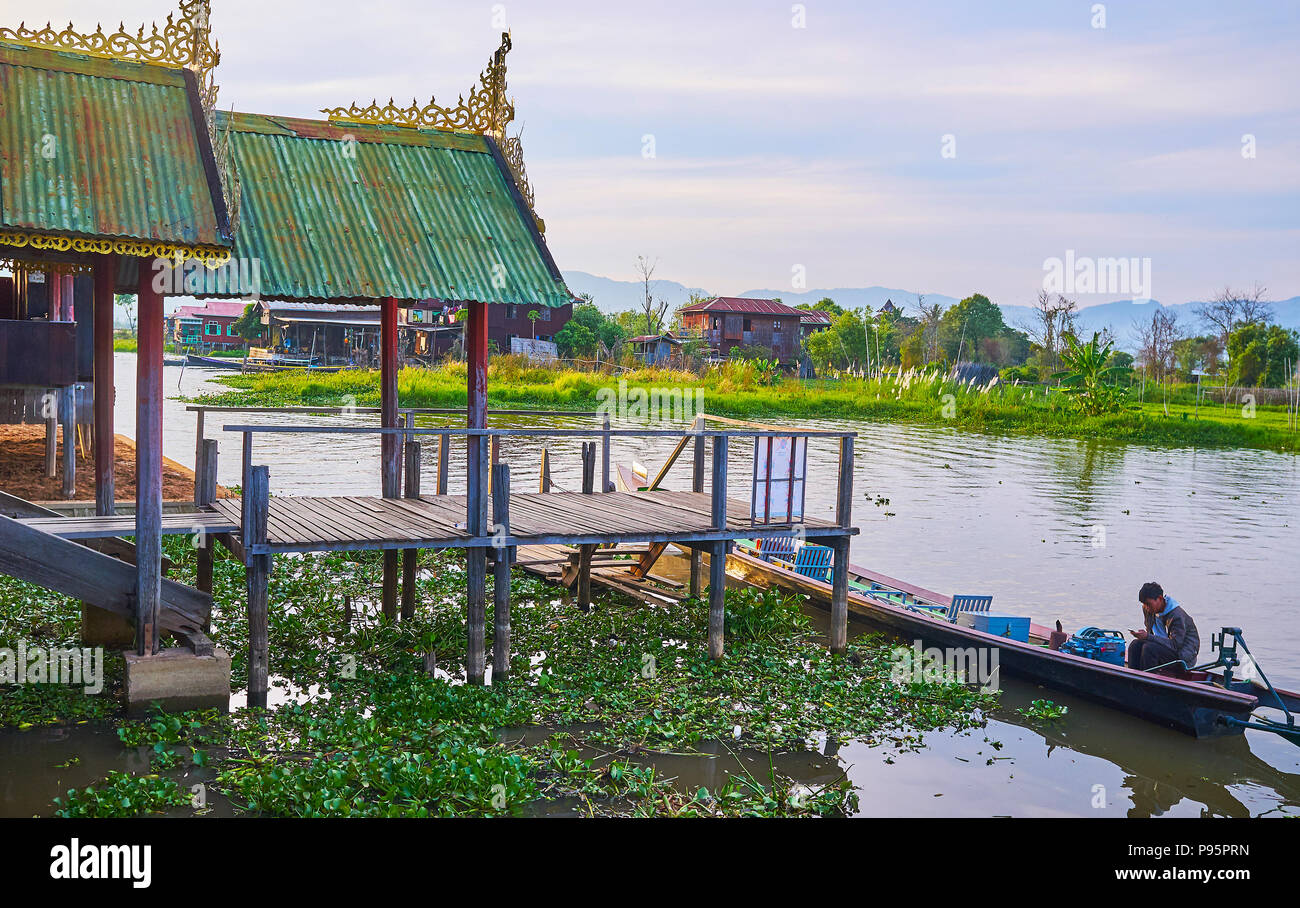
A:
[(1085, 376)]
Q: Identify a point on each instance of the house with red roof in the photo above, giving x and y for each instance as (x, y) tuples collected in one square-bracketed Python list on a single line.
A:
[(728, 322), (206, 326)]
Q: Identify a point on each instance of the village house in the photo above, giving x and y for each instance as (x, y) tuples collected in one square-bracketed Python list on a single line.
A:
[(206, 326), (728, 322)]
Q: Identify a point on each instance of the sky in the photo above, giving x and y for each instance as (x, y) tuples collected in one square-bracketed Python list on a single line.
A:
[(938, 146)]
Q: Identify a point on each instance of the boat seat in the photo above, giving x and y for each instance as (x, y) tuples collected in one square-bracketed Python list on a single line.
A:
[(812, 561), (960, 603), (773, 547)]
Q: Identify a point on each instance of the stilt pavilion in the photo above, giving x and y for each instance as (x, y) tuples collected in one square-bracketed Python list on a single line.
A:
[(384, 205)]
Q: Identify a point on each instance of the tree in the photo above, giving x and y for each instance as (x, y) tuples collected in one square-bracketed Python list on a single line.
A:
[(1156, 340), (127, 302), (1231, 309), (931, 315), (576, 340), (1053, 321), (965, 327), (842, 346), (653, 309), (249, 325), (1260, 355)]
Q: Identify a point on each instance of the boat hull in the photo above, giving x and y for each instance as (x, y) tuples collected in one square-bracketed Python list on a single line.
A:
[(1190, 707)]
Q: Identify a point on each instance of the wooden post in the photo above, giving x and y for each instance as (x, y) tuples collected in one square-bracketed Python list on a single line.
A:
[(605, 438), (501, 575), (410, 557), (840, 594), (496, 457), (205, 493), (68, 414), (51, 434), (105, 439), (718, 553), (258, 572), (390, 447), (840, 560), (443, 441), (476, 355), (585, 551), (544, 473), (198, 434), (148, 459), (697, 485)]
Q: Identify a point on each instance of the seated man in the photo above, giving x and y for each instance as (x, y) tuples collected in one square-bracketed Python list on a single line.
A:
[(1170, 633)]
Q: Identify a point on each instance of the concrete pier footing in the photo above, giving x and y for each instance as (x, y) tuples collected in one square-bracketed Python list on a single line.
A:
[(177, 680)]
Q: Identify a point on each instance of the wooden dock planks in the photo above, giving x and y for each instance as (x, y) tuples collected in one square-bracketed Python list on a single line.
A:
[(359, 522)]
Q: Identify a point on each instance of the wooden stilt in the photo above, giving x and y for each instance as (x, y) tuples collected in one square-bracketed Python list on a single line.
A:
[(410, 557), (717, 597), (390, 447), (544, 473), (476, 613), (68, 414), (501, 575), (205, 492), (52, 436), (148, 459), (605, 439), (476, 355), (258, 571), (697, 485), (389, 597), (585, 551), (102, 329), (840, 595), (444, 441)]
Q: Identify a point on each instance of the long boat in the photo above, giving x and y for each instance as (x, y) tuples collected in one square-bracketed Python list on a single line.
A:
[(257, 365), (1203, 708)]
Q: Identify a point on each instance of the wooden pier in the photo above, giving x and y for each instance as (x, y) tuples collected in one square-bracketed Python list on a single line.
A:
[(703, 521)]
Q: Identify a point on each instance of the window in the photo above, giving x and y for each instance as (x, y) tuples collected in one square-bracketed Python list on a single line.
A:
[(715, 323), (543, 313), (230, 330), (776, 324), (510, 310), (212, 328), (748, 327)]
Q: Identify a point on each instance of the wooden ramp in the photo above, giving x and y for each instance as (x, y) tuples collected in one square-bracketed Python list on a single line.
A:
[(37, 556), (611, 568)]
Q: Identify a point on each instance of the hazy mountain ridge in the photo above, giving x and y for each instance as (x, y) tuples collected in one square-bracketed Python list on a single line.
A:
[(613, 296)]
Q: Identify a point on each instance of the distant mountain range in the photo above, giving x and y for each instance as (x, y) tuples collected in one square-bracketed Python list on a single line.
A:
[(616, 296)]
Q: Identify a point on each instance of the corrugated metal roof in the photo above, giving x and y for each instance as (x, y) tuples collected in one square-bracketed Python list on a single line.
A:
[(352, 212), (814, 316), (741, 304), (102, 149)]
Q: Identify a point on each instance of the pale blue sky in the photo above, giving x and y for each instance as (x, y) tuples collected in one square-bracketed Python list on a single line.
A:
[(820, 146)]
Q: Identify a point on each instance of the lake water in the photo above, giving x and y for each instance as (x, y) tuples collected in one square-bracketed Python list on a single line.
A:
[(1055, 529)]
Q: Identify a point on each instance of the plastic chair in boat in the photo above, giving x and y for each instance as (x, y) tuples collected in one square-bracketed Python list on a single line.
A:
[(960, 603), (774, 547), (812, 561)]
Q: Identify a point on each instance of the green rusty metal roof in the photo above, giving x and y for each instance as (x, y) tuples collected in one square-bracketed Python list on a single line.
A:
[(359, 212), (104, 149)]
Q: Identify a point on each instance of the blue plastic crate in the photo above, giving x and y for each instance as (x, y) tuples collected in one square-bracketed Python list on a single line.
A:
[(1013, 627)]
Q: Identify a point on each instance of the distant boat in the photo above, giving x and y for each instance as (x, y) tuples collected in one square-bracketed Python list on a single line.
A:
[(260, 364)]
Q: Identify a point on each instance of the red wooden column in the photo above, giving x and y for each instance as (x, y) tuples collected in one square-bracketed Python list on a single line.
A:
[(105, 276), (148, 459), (391, 445)]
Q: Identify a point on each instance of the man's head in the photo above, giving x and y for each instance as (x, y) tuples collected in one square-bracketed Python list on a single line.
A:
[(1152, 597)]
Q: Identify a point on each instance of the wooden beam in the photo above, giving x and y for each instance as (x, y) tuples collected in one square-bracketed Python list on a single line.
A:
[(258, 572), (51, 434), (205, 492), (697, 485), (105, 393), (844, 491), (544, 473), (444, 442), (605, 439), (501, 576), (148, 457)]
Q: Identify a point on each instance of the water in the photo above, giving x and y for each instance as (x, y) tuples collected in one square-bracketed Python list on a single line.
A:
[(1052, 528)]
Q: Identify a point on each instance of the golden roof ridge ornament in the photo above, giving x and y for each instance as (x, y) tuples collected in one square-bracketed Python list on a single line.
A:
[(184, 41), (487, 112)]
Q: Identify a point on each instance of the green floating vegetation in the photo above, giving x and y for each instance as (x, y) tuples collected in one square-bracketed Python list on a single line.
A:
[(1154, 417), (122, 795), (592, 699)]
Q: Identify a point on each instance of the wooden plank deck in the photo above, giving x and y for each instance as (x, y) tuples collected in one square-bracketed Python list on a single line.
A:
[(306, 524)]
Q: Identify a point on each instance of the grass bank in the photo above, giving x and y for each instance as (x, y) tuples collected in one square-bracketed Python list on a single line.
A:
[(735, 390), (602, 694)]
